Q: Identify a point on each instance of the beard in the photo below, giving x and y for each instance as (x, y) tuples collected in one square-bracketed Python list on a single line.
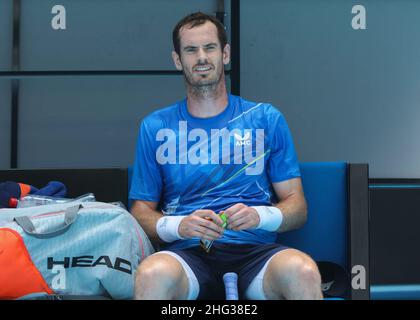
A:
[(204, 84)]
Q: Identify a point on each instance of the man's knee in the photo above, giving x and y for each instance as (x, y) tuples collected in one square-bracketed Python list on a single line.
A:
[(303, 269), (293, 268), (161, 272), (162, 267)]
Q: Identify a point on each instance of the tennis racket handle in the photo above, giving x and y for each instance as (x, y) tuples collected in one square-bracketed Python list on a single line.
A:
[(231, 285)]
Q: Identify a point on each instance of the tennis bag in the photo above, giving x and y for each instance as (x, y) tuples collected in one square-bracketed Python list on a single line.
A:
[(70, 249)]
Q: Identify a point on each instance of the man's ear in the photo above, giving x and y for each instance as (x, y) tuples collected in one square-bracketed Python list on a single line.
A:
[(177, 61), (226, 54)]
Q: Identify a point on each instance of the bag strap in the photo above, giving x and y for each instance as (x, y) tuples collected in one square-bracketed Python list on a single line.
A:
[(70, 216)]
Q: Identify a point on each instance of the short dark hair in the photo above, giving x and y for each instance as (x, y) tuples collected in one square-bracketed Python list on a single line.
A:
[(194, 20)]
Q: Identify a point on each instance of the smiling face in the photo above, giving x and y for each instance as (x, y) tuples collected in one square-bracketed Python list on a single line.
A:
[(201, 57)]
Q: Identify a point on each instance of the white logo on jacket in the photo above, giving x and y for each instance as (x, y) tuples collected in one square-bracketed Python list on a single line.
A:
[(242, 141)]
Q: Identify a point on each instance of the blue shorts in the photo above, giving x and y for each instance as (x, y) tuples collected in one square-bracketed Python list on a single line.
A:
[(244, 259)]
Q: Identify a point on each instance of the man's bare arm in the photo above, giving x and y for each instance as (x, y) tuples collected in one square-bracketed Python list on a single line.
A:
[(292, 204), (146, 214)]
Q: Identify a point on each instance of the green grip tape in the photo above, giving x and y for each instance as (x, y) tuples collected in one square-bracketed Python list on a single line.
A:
[(224, 218)]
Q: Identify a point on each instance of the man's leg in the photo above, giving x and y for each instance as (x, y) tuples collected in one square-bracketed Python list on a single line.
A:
[(291, 274), (287, 274), (161, 277)]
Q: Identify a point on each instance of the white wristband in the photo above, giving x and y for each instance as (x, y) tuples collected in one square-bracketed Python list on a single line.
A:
[(167, 228), (270, 218)]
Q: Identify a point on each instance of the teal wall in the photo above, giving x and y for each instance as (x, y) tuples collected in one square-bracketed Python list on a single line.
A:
[(347, 94), (88, 121), (5, 63)]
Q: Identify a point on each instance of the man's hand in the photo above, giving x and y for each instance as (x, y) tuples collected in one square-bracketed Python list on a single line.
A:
[(204, 224), (241, 217)]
